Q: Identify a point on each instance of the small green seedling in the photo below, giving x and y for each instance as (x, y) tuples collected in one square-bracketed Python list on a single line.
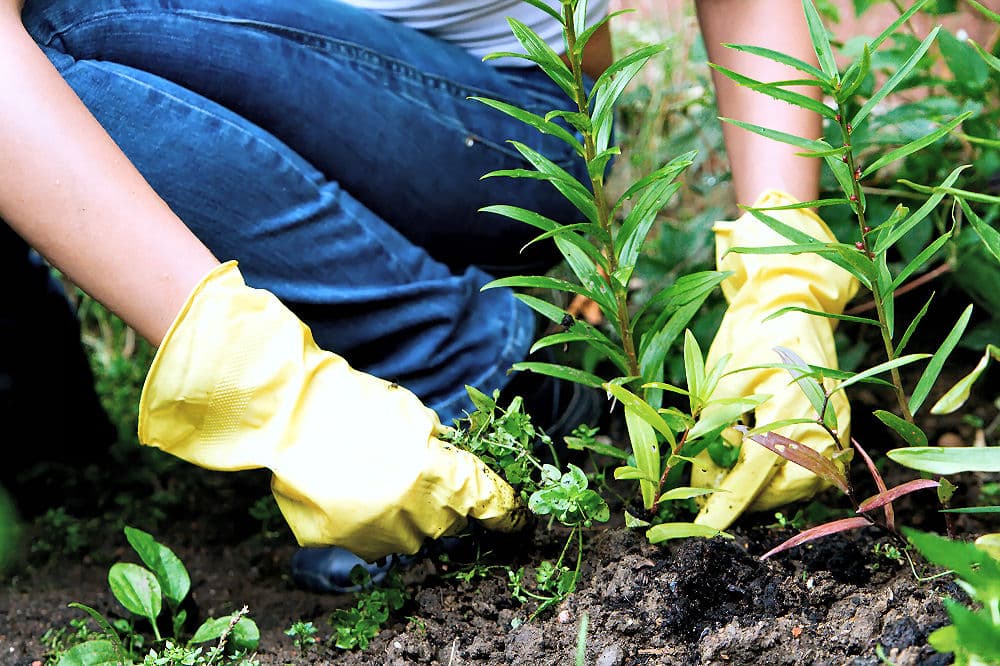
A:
[(303, 635), (144, 592), (356, 627)]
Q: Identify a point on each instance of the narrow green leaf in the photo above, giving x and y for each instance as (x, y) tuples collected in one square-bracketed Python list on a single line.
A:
[(667, 531), (959, 393), (883, 286), (534, 120), (783, 137), (723, 412), (539, 282), (894, 26), (567, 185), (915, 145), (523, 215), (548, 9), (560, 372), (811, 388), (855, 76), (918, 261), (771, 90), (585, 271), (969, 563), (634, 229), (895, 79), (539, 52), (903, 341), (646, 452), (685, 493), (551, 312), (988, 57), (821, 313), (642, 410), (668, 171), (930, 375), (973, 509), (878, 369), (566, 229), (821, 42), (782, 58), (105, 627), (775, 425), (694, 370), (136, 588), (653, 347), (910, 433), (892, 234), (818, 203), (629, 473), (165, 565), (952, 191), (845, 178), (624, 65), (605, 94), (982, 9), (989, 235)]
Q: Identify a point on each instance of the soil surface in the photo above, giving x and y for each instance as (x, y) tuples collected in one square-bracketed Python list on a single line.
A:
[(832, 601)]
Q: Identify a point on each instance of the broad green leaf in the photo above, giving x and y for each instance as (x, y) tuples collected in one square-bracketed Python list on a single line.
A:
[(643, 411), (667, 531), (99, 652), (893, 234), (629, 473), (136, 588), (915, 145), (978, 632), (724, 412), (685, 493), (936, 363), (165, 565), (780, 57), (818, 532), (104, 625), (948, 459), (910, 433), (647, 454), (969, 563), (989, 235), (777, 92), (211, 629), (694, 370), (911, 329), (918, 261), (895, 79), (885, 366), (820, 313), (560, 372), (959, 393), (821, 41), (969, 71), (534, 120)]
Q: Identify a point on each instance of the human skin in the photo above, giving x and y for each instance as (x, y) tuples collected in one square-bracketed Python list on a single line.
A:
[(71, 193)]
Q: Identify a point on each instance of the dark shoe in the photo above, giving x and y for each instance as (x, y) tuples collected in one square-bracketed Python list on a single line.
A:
[(329, 569)]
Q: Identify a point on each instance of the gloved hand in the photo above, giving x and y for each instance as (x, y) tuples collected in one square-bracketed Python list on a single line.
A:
[(239, 383), (760, 285)]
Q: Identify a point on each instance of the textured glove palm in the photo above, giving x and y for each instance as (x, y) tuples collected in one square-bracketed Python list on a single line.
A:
[(761, 285), (239, 383)]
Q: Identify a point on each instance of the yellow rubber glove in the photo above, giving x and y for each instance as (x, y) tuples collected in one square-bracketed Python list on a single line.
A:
[(239, 383), (760, 285)]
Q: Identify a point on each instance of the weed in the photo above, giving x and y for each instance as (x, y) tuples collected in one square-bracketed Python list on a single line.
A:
[(143, 592), (356, 627), (303, 635)]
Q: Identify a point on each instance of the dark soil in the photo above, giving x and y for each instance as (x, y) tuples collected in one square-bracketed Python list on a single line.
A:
[(833, 601)]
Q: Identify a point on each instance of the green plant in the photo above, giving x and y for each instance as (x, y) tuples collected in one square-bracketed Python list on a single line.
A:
[(143, 592), (507, 441), (303, 635), (602, 251), (355, 627), (974, 635)]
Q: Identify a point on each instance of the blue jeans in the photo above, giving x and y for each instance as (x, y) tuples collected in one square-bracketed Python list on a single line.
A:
[(335, 154)]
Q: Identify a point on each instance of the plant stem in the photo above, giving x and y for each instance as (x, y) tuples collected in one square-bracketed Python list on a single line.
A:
[(865, 246), (600, 196)]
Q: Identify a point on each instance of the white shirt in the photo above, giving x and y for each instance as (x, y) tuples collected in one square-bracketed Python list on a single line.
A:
[(479, 26)]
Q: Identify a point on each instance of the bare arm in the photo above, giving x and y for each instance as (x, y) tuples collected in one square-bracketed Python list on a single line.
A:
[(68, 190), (759, 163)]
